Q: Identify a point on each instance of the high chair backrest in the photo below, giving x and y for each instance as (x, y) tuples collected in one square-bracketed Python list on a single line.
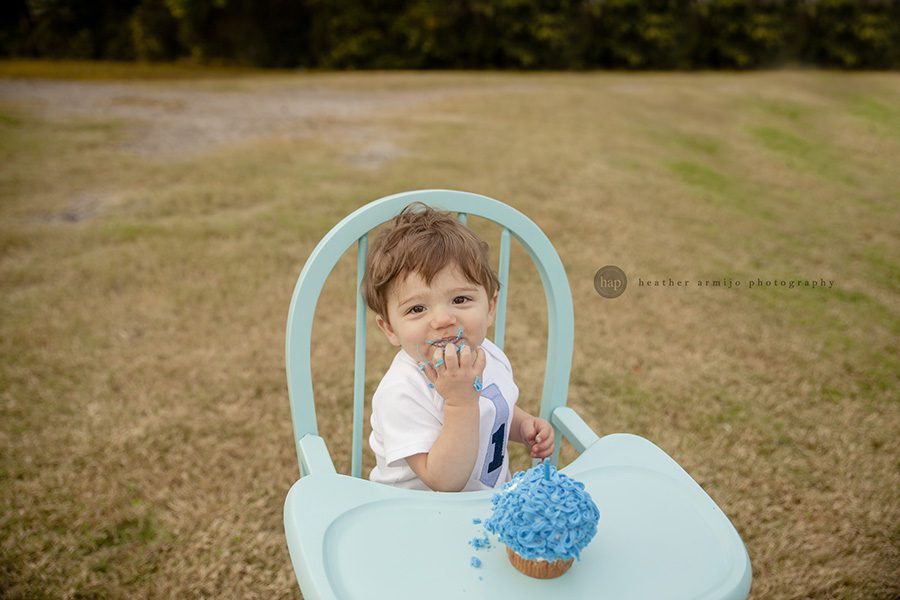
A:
[(355, 229)]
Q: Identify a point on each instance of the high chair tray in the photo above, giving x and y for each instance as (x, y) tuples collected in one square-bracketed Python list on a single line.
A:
[(660, 536)]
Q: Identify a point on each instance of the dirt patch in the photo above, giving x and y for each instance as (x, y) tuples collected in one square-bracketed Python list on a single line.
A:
[(181, 120)]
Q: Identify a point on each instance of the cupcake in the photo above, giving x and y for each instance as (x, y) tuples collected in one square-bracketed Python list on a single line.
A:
[(545, 518)]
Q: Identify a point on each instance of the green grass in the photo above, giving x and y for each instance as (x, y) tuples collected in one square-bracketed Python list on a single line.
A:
[(783, 142), (802, 154), (886, 118), (146, 433), (116, 71), (704, 144), (789, 111)]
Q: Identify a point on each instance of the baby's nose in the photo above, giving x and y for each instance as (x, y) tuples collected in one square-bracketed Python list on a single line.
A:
[(442, 318)]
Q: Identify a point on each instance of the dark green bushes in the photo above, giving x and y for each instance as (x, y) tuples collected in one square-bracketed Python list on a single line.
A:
[(475, 34)]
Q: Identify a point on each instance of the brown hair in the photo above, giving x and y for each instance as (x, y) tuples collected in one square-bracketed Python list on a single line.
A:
[(424, 242)]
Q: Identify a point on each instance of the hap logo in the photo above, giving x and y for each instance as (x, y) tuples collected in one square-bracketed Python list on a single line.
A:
[(610, 281)]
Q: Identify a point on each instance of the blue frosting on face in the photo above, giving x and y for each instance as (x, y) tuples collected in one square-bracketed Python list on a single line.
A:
[(552, 519)]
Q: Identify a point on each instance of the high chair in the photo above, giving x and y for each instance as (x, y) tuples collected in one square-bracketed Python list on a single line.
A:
[(660, 536)]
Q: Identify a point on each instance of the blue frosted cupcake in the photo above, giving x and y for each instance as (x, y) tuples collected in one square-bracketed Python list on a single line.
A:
[(545, 518)]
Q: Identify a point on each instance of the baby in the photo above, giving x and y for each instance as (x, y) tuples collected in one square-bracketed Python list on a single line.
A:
[(446, 408)]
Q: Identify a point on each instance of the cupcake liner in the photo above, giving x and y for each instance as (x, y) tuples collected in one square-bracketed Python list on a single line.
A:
[(539, 569)]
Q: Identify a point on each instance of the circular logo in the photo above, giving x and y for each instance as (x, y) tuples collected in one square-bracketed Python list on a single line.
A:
[(610, 281)]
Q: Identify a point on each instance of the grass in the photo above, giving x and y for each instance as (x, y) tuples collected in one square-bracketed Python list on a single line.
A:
[(143, 412), (75, 70)]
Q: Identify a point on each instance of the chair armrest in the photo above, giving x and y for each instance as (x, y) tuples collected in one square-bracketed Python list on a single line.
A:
[(573, 428), (314, 457)]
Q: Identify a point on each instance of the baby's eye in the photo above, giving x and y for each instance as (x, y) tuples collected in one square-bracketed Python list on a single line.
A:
[(461, 299), (418, 308)]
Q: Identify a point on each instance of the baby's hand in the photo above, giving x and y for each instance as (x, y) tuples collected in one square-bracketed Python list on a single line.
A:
[(538, 434), (453, 374)]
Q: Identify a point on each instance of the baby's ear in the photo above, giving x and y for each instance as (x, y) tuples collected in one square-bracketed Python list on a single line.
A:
[(492, 308), (385, 326)]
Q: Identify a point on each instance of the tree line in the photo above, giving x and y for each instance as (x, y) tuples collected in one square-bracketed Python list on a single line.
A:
[(461, 34)]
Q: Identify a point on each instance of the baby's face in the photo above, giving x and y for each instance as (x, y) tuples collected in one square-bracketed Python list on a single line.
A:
[(423, 317)]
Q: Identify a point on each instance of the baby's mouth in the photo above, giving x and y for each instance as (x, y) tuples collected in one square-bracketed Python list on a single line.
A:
[(447, 340)]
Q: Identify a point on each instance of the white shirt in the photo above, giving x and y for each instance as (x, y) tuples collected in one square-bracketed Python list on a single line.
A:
[(407, 418)]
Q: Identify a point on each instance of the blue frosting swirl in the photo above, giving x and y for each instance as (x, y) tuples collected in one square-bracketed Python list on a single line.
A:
[(539, 518)]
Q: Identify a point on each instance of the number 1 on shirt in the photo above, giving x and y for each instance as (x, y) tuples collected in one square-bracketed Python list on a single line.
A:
[(494, 454)]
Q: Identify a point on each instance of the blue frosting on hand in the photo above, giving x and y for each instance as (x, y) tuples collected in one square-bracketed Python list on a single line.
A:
[(552, 519)]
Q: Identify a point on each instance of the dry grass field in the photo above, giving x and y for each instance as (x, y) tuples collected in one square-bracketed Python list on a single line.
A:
[(152, 230)]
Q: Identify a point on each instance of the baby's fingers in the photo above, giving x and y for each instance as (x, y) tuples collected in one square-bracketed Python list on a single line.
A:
[(480, 360), (451, 357), (544, 434), (541, 451), (529, 432), (542, 442), (465, 356), (429, 372)]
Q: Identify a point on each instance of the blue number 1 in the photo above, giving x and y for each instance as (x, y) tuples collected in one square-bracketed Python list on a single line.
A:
[(490, 471), (497, 441)]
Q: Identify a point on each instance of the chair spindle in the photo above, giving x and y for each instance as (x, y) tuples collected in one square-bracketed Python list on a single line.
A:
[(359, 364), (500, 327)]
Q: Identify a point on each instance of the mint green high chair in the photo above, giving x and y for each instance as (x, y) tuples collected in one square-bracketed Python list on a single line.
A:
[(660, 535)]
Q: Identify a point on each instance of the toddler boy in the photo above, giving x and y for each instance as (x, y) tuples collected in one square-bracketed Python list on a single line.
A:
[(446, 408)]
